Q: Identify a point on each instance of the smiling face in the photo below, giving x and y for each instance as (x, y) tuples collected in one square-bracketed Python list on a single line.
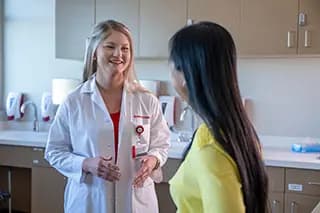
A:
[(113, 56)]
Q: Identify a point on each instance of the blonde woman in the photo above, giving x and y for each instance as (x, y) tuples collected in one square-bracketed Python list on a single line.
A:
[(103, 127)]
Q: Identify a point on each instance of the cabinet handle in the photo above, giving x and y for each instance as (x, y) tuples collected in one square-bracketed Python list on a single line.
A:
[(293, 207), (314, 183), (290, 41), (307, 35), (274, 206), (35, 161), (37, 149)]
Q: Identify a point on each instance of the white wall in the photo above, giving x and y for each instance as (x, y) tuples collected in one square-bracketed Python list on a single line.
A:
[(284, 93)]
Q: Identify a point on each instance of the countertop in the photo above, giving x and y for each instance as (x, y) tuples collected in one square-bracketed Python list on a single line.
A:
[(276, 150)]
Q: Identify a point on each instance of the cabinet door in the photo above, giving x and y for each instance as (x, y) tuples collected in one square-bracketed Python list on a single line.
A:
[(276, 200), (268, 27), (45, 180), (295, 203), (166, 204), (124, 11), (223, 12), (276, 179), (309, 33), (159, 20), (74, 22)]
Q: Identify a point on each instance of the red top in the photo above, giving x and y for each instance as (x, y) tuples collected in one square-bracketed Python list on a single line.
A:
[(115, 120)]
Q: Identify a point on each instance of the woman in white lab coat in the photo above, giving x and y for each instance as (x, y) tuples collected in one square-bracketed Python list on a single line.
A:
[(109, 137)]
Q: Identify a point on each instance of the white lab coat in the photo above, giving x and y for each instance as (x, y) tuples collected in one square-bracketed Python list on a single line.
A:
[(83, 128)]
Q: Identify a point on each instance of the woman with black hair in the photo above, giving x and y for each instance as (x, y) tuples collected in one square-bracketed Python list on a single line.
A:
[(223, 171)]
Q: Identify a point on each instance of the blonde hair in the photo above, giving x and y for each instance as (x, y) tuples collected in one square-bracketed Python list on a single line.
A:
[(100, 32)]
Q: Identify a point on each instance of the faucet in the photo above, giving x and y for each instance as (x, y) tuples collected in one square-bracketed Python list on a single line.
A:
[(184, 113), (35, 119)]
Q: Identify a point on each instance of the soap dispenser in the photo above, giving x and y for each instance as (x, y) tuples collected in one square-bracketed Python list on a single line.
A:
[(13, 104), (46, 103)]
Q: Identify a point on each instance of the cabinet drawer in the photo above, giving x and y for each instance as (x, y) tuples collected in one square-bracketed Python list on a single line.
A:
[(16, 156), (276, 179), (170, 168), (303, 181), (295, 203), (38, 157)]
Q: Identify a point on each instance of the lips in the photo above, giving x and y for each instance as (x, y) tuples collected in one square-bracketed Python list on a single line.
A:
[(117, 62)]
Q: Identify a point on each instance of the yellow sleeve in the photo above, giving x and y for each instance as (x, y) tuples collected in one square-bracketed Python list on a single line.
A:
[(219, 184)]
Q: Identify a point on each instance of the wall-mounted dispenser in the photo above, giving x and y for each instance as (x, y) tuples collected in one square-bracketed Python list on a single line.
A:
[(13, 104), (167, 104), (46, 105)]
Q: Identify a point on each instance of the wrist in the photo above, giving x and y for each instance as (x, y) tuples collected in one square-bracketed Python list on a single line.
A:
[(157, 165)]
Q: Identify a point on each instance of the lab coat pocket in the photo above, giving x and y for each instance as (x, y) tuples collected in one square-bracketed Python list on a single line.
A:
[(145, 193)]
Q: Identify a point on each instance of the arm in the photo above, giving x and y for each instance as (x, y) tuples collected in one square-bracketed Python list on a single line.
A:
[(59, 149), (159, 134)]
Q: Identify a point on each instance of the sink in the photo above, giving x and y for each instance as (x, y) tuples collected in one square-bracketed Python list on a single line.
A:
[(23, 135)]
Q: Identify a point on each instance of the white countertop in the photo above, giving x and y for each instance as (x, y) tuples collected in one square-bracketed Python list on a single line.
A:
[(276, 150)]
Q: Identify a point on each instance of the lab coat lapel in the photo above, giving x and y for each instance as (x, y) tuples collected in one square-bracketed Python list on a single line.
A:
[(125, 162)]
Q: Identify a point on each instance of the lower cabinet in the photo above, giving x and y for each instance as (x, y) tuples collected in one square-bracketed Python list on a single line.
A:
[(35, 187), (293, 190), (276, 202), (166, 204), (47, 190), (296, 203)]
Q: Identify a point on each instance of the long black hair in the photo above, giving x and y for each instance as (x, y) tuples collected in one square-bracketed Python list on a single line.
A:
[(205, 53)]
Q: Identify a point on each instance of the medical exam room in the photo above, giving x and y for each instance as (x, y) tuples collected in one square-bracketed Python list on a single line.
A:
[(159, 106)]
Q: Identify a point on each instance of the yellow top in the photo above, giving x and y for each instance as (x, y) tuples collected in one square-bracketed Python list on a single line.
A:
[(208, 180)]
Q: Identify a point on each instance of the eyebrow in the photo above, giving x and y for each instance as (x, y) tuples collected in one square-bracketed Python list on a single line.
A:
[(110, 42)]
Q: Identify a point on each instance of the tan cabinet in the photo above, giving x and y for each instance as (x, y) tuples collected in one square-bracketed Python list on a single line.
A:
[(302, 190), (276, 189), (276, 202), (268, 27), (296, 203), (309, 31), (47, 190), (35, 186), (73, 23), (166, 204), (125, 11), (224, 12), (284, 27), (159, 20)]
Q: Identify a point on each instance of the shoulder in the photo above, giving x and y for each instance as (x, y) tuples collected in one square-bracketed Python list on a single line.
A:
[(145, 97), (210, 154)]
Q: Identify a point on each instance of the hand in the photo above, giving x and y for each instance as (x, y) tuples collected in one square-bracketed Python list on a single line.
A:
[(148, 163), (102, 167)]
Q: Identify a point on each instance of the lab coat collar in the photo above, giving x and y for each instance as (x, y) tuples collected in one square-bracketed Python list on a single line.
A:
[(90, 87)]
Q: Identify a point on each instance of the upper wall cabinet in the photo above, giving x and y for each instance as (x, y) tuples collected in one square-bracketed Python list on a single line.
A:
[(74, 20), (159, 20), (224, 12), (277, 28), (309, 27), (268, 27), (124, 11)]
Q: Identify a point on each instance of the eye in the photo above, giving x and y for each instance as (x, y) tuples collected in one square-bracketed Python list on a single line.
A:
[(108, 46), (125, 49)]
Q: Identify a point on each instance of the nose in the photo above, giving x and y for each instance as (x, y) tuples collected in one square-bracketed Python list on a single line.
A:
[(117, 52)]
